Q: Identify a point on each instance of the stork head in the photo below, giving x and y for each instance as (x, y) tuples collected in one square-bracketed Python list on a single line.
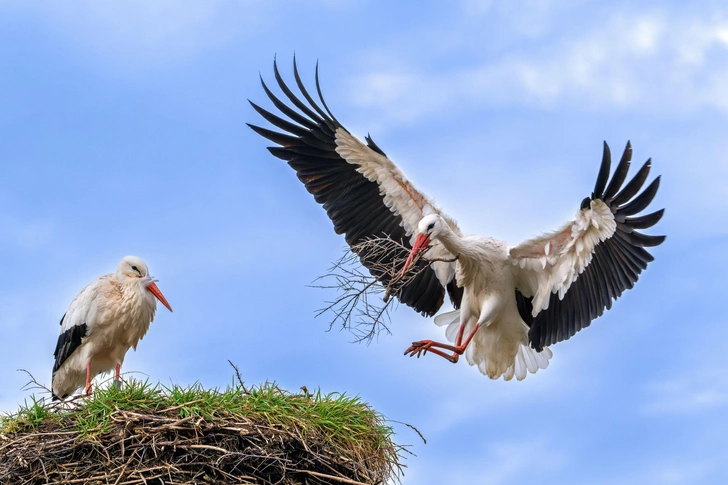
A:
[(428, 228), (431, 225), (133, 270)]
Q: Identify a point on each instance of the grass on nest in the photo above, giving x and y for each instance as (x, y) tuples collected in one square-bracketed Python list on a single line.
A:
[(188, 434), (335, 417)]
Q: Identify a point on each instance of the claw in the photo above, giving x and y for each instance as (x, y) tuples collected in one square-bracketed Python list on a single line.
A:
[(421, 347), (418, 348)]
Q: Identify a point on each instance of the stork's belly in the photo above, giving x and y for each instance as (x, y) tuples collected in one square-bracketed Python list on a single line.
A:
[(105, 347), (496, 343), (111, 343)]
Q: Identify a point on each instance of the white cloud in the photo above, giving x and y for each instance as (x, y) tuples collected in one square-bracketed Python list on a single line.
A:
[(661, 63)]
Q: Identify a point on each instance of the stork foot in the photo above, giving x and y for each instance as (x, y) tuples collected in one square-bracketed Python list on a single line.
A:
[(421, 347)]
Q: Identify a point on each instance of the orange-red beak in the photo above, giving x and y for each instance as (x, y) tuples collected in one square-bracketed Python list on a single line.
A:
[(421, 243), (154, 290)]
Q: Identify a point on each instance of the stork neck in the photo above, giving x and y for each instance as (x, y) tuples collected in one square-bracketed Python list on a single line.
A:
[(452, 242)]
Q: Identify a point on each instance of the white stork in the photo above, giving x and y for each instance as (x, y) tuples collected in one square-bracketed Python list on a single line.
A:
[(107, 318), (511, 303)]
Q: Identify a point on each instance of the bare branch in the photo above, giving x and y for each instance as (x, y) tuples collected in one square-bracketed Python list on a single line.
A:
[(240, 379), (33, 383), (365, 279)]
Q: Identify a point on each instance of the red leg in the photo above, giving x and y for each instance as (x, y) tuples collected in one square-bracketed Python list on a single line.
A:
[(459, 340), (117, 380), (424, 346), (88, 379)]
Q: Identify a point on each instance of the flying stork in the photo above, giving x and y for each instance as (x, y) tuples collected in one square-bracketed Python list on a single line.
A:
[(511, 303), (107, 318)]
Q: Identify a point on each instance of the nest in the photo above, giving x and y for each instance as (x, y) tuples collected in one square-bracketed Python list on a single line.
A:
[(151, 442)]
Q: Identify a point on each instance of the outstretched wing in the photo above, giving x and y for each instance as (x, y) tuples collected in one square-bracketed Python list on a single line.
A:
[(567, 278), (363, 192)]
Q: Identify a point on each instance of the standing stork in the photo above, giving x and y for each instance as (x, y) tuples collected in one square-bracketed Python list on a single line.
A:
[(102, 323), (511, 303)]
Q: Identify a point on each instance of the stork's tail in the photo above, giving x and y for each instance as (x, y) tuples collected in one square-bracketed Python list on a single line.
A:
[(527, 360), (452, 320)]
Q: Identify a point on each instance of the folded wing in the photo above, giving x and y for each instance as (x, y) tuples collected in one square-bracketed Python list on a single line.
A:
[(76, 322)]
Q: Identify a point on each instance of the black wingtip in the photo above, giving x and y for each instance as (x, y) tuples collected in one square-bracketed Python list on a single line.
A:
[(310, 99), (603, 176), (620, 174), (640, 203), (634, 186), (259, 130), (646, 221), (321, 96), (642, 240), (371, 144)]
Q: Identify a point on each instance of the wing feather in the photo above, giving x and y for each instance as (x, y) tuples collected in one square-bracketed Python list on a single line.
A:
[(76, 323), (646, 221), (640, 203), (364, 194), (603, 176), (568, 278), (633, 186), (620, 174)]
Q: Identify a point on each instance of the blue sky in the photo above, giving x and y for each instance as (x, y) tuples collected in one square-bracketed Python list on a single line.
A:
[(123, 132)]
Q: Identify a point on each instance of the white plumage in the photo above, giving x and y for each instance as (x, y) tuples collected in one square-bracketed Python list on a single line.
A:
[(510, 303), (103, 322)]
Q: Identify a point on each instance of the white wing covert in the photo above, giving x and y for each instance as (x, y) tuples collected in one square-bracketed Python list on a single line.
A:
[(364, 194), (76, 322), (567, 278)]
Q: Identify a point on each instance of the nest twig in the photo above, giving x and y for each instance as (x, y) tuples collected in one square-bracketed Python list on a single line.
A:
[(160, 443), (368, 279)]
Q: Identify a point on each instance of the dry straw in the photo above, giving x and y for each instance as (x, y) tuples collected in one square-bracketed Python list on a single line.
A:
[(144, 434)]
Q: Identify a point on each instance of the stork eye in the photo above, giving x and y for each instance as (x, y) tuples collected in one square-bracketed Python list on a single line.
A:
[(137, 270), (430, 227)]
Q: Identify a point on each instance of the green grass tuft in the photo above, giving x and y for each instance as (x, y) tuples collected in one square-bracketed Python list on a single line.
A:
[(341, 427)]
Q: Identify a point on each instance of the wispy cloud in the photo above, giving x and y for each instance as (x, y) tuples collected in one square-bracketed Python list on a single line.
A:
[(655, 61)]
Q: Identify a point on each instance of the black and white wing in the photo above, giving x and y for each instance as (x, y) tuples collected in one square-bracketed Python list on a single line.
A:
[(77, 321), (364, 194), (568, 278), (68, 341)]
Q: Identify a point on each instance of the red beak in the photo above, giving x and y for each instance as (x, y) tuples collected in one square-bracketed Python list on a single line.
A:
[(421, 243), (154, 290)]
